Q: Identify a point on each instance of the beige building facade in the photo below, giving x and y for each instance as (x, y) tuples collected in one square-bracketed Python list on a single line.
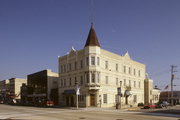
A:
[(10, 89), (151, 94), (99, 75), (14, 87)]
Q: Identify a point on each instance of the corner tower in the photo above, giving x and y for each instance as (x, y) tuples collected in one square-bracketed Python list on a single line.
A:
[(92, 45)]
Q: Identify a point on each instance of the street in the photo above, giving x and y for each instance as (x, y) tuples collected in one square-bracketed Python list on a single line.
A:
[(35, 113)]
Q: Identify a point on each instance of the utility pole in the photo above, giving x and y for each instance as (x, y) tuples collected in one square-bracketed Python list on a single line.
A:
[(172, 78)]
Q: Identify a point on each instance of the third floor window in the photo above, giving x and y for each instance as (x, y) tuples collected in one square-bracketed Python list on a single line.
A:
[(92, 60)]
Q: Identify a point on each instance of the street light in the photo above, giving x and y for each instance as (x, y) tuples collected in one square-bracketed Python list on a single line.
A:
[(120, 94), (118, 105), (77, 93)]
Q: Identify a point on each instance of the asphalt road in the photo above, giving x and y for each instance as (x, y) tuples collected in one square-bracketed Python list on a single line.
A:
[(34, 113)]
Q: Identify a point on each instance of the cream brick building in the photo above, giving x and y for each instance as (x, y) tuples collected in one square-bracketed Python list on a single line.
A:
[(98, 73), (151, 94), (14, 87), (10, 89)]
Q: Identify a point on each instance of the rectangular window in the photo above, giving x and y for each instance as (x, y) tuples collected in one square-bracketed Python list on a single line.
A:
[(106, 79), (92, 60), (134, 98), (124, 69), (87, 77), (134, 71), (61, 69), (104, 98), (98, 62), (117, 81), (116, 67), (124, 82), (87, 60), (129, 70), (64, 68), (139, 84), (61, 82), (75, 82), (69, 81), (98, 77), (64, 82), (130, 83), (139, 73), (81, 63), (116, 99), (81, 80), (106, 64), (69, 66), (93, 77), (75, 65), (134, 83)]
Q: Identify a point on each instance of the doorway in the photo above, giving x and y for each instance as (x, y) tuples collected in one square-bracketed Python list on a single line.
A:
[(92, 99), (72, 101)]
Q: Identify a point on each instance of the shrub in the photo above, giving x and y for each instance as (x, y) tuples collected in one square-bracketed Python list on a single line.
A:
[(140, 104)]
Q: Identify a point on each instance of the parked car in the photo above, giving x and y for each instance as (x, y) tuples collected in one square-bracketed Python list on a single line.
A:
[(150, 106), (1, 101), (163, 104), (49, 103)]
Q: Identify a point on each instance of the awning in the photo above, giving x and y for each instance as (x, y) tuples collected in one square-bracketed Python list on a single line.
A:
[(37, 95), (68, 92)]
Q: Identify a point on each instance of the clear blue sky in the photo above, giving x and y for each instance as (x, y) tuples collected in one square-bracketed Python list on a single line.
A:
[(33, 33)]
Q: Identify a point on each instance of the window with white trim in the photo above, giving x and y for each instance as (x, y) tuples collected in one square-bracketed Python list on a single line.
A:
[(105, 98), (92, 60)]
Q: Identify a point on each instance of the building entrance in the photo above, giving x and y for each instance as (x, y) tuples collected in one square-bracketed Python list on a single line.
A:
[(92, 99)]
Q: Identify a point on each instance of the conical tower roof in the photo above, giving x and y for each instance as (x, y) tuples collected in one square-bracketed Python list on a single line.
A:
[(92, 39)]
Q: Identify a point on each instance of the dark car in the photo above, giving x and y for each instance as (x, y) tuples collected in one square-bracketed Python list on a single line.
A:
[(163, 104)]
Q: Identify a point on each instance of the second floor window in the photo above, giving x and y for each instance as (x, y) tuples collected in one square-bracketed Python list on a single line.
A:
[(106, 64), (106, 79), (124, 69), (116, 81), (116, 67), (81, 80), (98, 61), (87, 60), (139, 84), (130, 83), (64, 68), (75, 65), (69, 66), (124, 82), (98, 77), (87, 77), (139, 73), (129, 70), (61, 82), (134, 83), (92, 60), (81, 63), (69, 81), (93, 77), (75, 82), (134, 71), (64, 82)]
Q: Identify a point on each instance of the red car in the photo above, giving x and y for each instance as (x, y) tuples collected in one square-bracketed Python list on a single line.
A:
[(49, 103), (150, 106)]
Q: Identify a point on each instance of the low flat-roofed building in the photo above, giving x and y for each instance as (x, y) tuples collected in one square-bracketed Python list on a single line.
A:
[(42, 86)]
